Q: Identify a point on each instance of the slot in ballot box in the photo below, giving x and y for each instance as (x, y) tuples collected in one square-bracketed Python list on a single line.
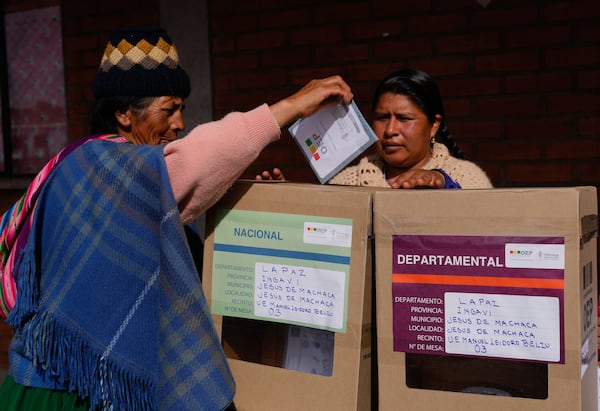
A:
[(288, 277), (485, 299)]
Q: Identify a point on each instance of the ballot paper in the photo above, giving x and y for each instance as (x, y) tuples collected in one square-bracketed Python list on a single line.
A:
[(332, 137)]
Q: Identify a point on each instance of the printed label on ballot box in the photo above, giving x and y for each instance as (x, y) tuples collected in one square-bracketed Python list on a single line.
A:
[(497, 297)]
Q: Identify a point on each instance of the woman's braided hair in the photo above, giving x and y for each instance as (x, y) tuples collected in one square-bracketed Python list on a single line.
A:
[(423, 91)]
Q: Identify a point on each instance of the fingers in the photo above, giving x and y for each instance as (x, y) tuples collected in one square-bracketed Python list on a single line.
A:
[(266, 175), (310, 98), (278, 174), (339, 88), (418, 179)]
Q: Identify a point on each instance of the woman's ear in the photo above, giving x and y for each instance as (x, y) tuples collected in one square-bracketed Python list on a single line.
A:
[(123, 119), (436, 125)]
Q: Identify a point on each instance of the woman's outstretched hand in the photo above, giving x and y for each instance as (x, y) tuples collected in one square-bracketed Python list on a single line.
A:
[(310, 98)]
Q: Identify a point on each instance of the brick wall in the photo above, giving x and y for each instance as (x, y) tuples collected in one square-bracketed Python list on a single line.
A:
[(520, 79)]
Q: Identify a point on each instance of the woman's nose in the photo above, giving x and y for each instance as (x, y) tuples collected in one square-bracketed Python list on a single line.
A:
[(391, 127), (178, 123)]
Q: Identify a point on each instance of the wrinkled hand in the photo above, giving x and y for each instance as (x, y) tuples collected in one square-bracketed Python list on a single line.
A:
[(418, 179), (276, 174), (310, 98)]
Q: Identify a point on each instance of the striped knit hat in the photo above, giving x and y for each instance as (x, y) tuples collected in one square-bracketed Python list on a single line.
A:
[(141, 62)]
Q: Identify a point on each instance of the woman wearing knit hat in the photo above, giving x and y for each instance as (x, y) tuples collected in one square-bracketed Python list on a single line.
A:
[(414, 147), (98, 282)]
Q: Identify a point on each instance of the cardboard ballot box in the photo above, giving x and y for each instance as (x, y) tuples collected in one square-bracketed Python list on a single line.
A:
[(486, 299), (288, 274)]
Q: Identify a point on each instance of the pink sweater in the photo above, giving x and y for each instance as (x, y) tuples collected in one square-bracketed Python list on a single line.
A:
[(206, 162)]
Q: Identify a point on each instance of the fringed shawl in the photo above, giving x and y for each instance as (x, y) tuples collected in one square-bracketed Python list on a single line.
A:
[(16, 222), (109, 302)]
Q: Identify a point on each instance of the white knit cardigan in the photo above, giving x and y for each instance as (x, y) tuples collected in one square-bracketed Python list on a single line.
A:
[(369, 171)]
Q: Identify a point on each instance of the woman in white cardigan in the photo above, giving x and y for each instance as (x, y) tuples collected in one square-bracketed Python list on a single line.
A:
[(414, 147)]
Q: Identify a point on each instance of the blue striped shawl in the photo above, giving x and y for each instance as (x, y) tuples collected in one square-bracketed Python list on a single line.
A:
[(110, 304)]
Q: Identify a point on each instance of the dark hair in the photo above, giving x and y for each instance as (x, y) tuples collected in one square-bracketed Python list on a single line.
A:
[(102, 114), (423, 91)]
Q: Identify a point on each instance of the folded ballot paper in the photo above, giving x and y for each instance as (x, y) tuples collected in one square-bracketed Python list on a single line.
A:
[(332, 137)]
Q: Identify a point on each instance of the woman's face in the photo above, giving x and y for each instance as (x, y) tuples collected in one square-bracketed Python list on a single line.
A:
[(158, 123), (404, 132)]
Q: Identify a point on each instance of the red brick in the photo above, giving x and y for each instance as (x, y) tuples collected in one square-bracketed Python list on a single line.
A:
[(589, 79), (509, 152), (235, 62), (537, 36), (285, 19), (222, 44), (539, 82), (539, 128), (469, 5), (586, 32), (581, 149), (370, 72), (588, 173), (457, 108), (386, 8), (316, 35), (296, 56), (83, 42), (273, 156), (543, 173), (469, 42), (93, 24), (517, 106), (234, 24), (570, 10), (509, 61), (386, 29), (395, 48), (495, 174), (263, 6), (469, 86), (73, 9), (344, 12), (436, 23), (442, 65), (299, 77), (89, 59), (82, 77), (499, 18), (573, 103), (573, 57), (474, 129), (221, 8), (590, 126), (346, 53), (136, 18), (258, 41)]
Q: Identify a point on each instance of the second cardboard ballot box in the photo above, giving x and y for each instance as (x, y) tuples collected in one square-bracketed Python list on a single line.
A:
[(287, 274), (486, 299)]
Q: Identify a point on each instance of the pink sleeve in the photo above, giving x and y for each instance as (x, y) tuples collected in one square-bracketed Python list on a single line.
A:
[(206, 162)]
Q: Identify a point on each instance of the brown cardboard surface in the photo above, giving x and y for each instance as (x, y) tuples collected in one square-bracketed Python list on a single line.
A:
[(562, 212), (265, 387)]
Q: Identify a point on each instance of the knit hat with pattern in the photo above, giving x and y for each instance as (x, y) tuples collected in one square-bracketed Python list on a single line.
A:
[(141, 62)]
